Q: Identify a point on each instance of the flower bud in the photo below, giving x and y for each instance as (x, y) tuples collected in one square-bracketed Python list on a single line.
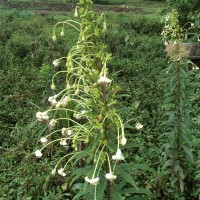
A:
[(62, 33), (76, 12), (54, 38), (53, 87), (53, 172)]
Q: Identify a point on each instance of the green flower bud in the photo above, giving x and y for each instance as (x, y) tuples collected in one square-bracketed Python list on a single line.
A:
[(54, 38), (53, 87)]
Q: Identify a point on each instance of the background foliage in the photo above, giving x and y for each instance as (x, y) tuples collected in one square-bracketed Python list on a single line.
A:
[(26, 55)]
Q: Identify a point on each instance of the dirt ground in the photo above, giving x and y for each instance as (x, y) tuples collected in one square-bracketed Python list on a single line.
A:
[(48, 8)]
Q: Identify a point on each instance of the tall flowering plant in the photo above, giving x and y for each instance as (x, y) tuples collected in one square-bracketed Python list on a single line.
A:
[(91, 131)]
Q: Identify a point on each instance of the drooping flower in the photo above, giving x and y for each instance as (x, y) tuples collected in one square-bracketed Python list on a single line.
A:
[(56, 63), (43, 140), (92, 181), (123, 141), (61, 172), (63, 142), (58, 105), (52, 123), (52, 100), (118, 155), (69, 132), (38, 154), (138, 126), (110, 176), (104, 80), (64, 131), (41, 116)]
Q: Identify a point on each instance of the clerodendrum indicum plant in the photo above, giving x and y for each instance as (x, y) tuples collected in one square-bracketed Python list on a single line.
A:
[(91, 131), (178, 127)]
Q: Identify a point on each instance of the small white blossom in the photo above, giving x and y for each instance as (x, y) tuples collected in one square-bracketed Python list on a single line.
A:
[(38, 154), (42, 116), (118, 155), (192, 24), (124, 141), (43, 140), (64, 131), (61, 172), (138, 126), (104, 79), (83, 112), (58, 105), (69, 132), (52, 100), (52, 123), (78, 116), (56, 63), (92, 181), (110, 176), (63, 142)]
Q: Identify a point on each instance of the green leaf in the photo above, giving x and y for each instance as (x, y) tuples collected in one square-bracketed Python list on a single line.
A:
[(188, 153), (80, 172), (126, 176), (101, 189), (116, 196), (136, 191), (140, 166)]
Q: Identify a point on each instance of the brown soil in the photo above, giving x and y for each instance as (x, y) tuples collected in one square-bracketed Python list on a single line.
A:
[(48, 8)]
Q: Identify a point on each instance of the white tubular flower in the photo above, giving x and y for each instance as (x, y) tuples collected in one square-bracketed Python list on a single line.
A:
[(92, 181), (78, 116), (43, 140), (52, 100), (63, 142), (41, 116), (64, 131), (124, 141), (192, 24), (83, 112), (138, 126), (69, 132), (118, 155), (38, 154), (104, 80), (58, 105), (110, 176), (52, 123), (61, 172), (56, 63)]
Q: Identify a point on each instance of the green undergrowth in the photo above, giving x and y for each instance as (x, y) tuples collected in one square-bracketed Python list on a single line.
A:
[(26, 55)]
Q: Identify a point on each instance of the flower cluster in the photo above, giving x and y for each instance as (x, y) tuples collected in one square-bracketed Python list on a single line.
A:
[(84, 110), (173, 33)]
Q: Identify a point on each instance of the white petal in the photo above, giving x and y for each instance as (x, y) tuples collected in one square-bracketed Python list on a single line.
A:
[(124, 141), (38, 154), (43, 140), (110, 176)]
